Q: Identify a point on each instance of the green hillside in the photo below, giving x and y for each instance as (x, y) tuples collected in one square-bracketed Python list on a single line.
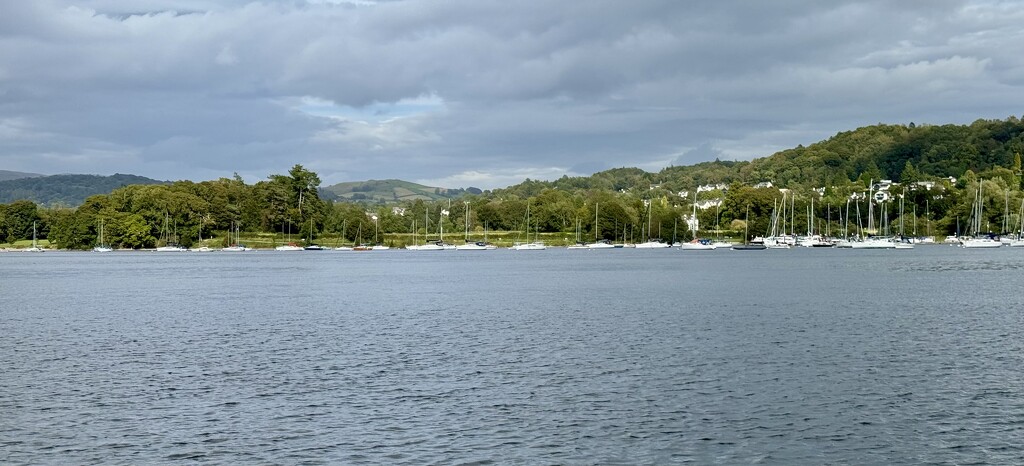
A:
[(65, 190), (387, 191), (902, 153)]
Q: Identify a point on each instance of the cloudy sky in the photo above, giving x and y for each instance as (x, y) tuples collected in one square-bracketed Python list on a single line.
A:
[(483, 93)]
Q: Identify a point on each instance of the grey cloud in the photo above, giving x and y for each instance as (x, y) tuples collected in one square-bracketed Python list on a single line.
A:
[(199, 86), (702, 153)]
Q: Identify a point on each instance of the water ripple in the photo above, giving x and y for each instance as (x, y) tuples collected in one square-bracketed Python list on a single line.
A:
[(817, 357)]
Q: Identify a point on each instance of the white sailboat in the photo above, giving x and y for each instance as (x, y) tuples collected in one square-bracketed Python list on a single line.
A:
[(653, 243), (440, 228), (100, 245), (289, 246), (414, 246), (777, 239), (310, 245), (747, 246), (536, 244), (579, 241), (35, 244), (902, 242), (473, 245), (170, 240), (698, 245), (1004, 237), (977, 240), (427, 245), (202, 247), (1019, 241), (871, 242), (598, 242), (341, 247), (236, 244)]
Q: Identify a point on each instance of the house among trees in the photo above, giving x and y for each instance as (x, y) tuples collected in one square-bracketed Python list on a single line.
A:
[(709, 203), (712, 187)]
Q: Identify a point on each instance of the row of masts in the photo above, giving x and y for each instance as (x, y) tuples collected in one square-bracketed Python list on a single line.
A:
[(778, 224)]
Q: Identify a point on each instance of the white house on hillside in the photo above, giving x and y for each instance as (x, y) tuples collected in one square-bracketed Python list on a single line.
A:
[(707, 204), (712, 187)]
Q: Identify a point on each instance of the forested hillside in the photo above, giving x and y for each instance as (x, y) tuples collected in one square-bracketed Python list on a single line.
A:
[(65, 190), (387, 192), (936, 170), (902, 153)]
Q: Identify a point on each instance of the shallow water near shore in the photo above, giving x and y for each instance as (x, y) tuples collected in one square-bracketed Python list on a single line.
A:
[(807, 356)]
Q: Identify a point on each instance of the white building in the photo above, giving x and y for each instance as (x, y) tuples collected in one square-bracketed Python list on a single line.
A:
[(707, 204), (712, 187)]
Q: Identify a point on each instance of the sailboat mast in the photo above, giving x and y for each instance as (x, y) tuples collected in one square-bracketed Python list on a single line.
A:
[(927, 219), (650, 205), (792, 213), (527, 220), (846, 224), (871, 207), (1020, 230), (860, 231), (696, 225), (828, 222)]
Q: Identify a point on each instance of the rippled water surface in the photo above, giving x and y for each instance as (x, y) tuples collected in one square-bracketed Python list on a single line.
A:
[(497, 357)]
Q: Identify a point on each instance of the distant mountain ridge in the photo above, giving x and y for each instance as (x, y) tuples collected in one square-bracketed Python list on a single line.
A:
[(388, 191), (13, 175), (71, 190), (65, 190)]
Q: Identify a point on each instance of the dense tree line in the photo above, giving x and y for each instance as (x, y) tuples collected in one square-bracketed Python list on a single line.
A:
[(828, 181)]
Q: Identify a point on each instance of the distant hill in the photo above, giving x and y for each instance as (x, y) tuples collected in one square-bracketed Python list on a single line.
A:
[(902, 153), (9, 175), (388, 191), (65, 190)]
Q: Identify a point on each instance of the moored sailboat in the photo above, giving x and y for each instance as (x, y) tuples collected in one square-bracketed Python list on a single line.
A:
[(747, 246), (536, 244), (35, 244), (977, 240), (101, 246), (170, 240)]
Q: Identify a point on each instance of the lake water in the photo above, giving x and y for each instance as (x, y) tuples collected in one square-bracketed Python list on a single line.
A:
[(806, 356)]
